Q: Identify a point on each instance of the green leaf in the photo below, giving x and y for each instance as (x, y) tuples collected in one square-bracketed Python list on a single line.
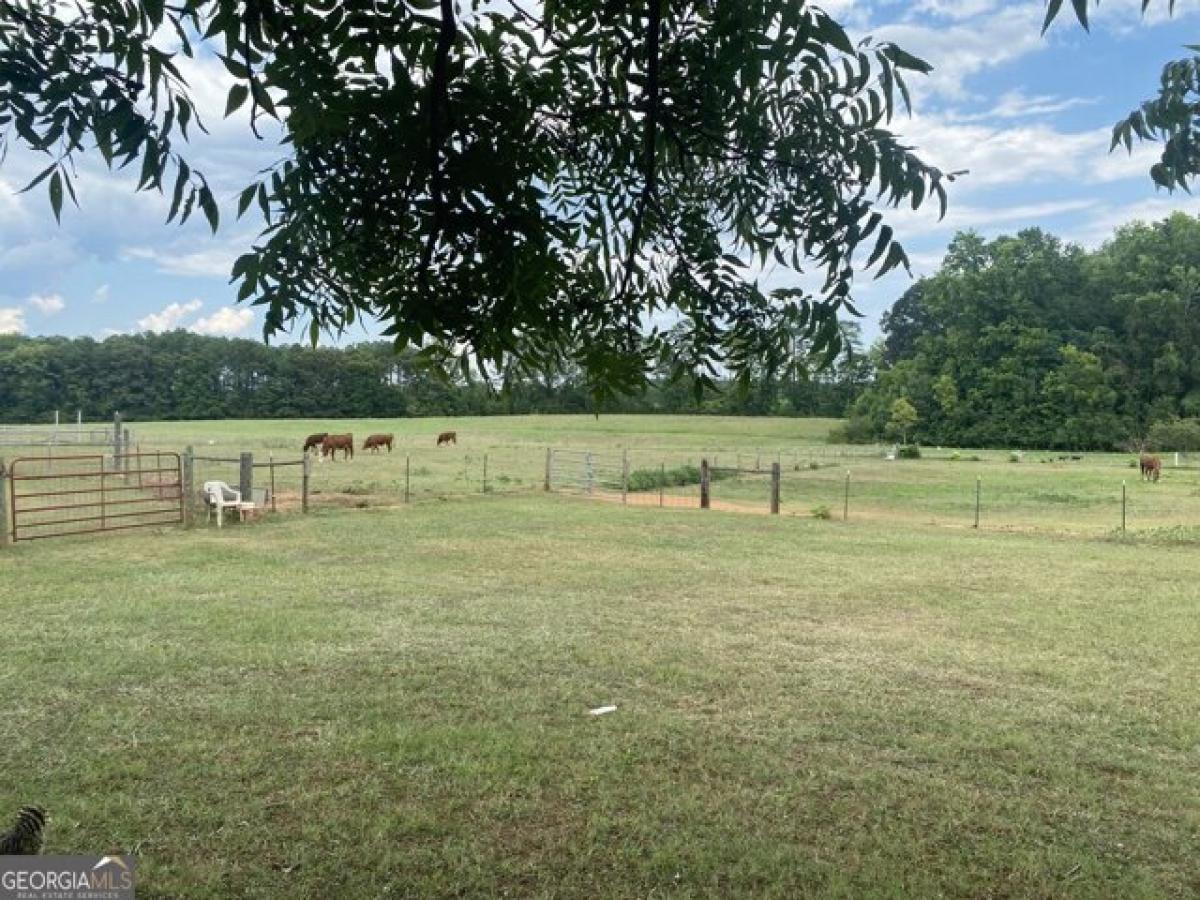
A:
[(245, 199), (56, 195), (42, 176), (1081, 12), (237, 96), (209, 207), (181, 182), (1052, 11)]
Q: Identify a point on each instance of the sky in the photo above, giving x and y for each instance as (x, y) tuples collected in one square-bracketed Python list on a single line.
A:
[(1029, 116)]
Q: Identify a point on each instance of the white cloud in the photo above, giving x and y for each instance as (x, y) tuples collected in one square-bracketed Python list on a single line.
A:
[(1019, 105), (213, 263), (978, 37), (1023, 154), (100, 295), (47, 304), (1101, 224), (169, 317), (227, 321), (12, 320)]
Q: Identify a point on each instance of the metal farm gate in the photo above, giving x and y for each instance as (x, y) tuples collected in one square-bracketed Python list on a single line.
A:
[(65, 495)]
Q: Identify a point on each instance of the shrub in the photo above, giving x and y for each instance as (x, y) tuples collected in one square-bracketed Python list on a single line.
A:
[(653, 479), (838, 435), (856, 430), (908, 451), (1014, 456), (1179, 435), (813, 464), (955, 456), (821, 512)]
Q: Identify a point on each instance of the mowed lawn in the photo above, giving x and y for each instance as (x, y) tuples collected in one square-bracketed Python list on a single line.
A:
[(395, 702)]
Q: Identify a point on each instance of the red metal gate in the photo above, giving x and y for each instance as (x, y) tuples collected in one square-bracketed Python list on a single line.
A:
[(64, 495)]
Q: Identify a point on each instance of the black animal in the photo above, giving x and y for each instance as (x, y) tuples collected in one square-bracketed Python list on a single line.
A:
[(25, 838)]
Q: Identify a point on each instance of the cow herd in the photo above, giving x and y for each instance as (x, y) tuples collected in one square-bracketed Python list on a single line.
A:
[(328, 444)]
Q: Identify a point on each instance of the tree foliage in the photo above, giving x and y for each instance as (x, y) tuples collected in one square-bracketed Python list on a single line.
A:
[(1037, 344), (504, 185), (180, 375)]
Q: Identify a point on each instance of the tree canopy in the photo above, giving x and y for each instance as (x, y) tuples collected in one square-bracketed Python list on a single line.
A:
[(514, 185), (506, 183), (1025, 341), (180, 375)]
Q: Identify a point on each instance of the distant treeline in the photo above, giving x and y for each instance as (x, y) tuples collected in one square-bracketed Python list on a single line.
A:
[(180, 375), (1029, 342)]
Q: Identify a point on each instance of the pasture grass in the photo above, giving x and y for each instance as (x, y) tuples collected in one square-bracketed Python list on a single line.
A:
[(394, 702), (1043, 492)]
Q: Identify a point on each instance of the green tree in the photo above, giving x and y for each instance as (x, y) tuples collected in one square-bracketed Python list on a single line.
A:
[(1033, 343), (498, 184), (904, 418)]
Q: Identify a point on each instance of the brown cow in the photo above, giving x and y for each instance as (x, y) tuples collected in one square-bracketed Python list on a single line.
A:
[(1151, 467), (448, 437), (314, 440), (375, 441), (335, 442)]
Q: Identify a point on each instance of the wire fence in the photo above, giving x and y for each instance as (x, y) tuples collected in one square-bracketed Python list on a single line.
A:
[(1071, 494), (1059, 493)]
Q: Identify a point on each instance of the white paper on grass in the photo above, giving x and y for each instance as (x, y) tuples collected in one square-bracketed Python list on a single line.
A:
[(603, 710)]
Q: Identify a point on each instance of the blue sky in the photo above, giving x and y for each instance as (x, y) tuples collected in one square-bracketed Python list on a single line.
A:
[(1028, 116)]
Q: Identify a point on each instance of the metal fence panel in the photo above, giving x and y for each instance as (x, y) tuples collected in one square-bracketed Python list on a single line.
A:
[(92, 494)]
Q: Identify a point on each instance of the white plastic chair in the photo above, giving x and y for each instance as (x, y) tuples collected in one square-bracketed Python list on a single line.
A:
[(218, 497)]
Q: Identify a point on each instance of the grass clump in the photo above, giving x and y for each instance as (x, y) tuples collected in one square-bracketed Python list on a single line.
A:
[(680, 476)]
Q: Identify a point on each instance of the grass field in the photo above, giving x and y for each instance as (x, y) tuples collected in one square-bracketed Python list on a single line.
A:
[(1040, 493), (394, 702)]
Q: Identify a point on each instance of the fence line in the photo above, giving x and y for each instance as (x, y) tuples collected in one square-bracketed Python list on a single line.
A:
[(1033, 502), (909, 493)]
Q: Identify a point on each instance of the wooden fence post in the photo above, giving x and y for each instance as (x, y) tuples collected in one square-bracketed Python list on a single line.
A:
[(3, 503), (246, 477), (128, 450), (775, 478), (187, 484), (271, 462), (485, 473), (978, 491), (624, 476), (1122, 506), (546, 482), (305, 475), (704, 492), (116, 439)]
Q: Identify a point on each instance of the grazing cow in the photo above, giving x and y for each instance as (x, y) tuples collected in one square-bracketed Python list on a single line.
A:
[(448, 437), (335, 442), (1151, 467), (314, 441), (375, 441)]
